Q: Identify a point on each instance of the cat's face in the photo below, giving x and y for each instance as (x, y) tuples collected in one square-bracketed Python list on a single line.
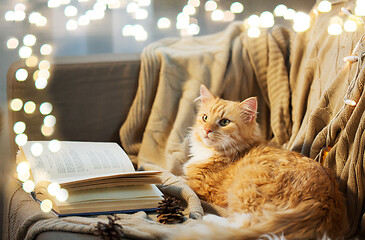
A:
[(225, 125)]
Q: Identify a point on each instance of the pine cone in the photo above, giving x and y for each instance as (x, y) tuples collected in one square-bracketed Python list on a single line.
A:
[(170, 211), (110, 230)]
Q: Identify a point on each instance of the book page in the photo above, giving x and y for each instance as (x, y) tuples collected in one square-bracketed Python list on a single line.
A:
[(76, 161)]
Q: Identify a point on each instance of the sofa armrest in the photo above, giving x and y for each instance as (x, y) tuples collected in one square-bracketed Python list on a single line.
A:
[(90, 95)]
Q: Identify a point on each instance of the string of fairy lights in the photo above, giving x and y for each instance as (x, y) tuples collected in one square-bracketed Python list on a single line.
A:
[(187, 24)]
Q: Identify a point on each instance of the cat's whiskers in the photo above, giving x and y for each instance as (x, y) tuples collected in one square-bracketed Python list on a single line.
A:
[(230, 148)]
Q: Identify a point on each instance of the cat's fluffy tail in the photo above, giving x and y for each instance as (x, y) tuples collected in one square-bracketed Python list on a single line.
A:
[(310, 219)]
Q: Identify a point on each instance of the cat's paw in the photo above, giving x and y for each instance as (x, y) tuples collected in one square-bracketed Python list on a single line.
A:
[(211, 218)]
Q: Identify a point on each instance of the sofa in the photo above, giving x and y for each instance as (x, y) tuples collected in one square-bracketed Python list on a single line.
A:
[(146, 103)]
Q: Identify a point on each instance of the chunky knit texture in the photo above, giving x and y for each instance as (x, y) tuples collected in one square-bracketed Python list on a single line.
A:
[(300, 81)]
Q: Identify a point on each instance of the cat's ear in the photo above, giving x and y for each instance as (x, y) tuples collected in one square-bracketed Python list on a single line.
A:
[(249, 108), (205, 95)]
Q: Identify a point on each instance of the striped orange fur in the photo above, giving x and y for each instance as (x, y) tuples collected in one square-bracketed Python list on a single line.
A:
[(278, 191)]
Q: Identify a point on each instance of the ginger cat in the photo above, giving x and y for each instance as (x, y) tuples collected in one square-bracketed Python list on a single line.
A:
[(266, 189)]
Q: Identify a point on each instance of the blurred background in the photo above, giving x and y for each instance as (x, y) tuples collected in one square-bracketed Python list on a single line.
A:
[(39, 30)]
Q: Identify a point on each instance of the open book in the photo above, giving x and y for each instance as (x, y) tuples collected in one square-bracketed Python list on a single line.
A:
[(99, 177)]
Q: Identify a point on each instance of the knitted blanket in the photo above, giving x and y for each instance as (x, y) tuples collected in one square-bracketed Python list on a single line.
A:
[(300, 81)]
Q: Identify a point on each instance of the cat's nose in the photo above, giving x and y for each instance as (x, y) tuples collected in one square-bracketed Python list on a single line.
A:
[(207, 130)]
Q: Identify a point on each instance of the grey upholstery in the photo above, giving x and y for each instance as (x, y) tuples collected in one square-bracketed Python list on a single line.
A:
[(91, 96)]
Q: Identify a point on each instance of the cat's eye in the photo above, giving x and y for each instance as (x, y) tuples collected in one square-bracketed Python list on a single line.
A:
[(205, 118), (224, 122)]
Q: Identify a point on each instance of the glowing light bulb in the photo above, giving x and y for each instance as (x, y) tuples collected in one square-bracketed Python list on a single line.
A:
[(47, 131), (24, 176), (70, 11), (22, 168), (46, 205), (217, 15), (29, 40), (46, 49), (36, 149), (41, 83), (44, 73), (54, 145), (16, 104), (44, 65), (183, 17), (83, 20), (183, 21), (53, 188), (29, 107), (35, 75), (324, 6), (21, 74), (253, 21), (34, 17), (210, 5), (12, 43), (194, 3), (301, 22), (350, 25), (127, 30), (334, 29), (53, 3), (19, 127), (97, 15), (360, 8), (49, 121), (237, 7), (10, 16), (25, 52), (188, 9), (253, 32), (280, 10), (72, 25), (141, 36), (42, 22), (45, 108), (137, 28), (99, 6), (193, 29), (28, 186), (62, 195), (267, 19), (19, 16), (228, 16), (289, 14), (32, 61), (132, 7), (141, 13), (163, 23), (19, 7), (21, 139)]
